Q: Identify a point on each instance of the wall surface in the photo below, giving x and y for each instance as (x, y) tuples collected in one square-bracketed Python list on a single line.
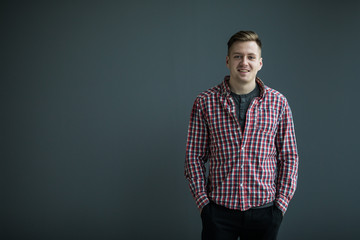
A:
[(96, 98)]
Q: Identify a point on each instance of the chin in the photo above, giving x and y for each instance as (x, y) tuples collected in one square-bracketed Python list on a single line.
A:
[(245, 80)]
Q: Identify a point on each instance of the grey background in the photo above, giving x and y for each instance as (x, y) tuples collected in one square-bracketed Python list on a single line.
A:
[(96, 98)]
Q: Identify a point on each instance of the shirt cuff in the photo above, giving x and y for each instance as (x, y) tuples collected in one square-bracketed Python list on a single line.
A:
[(202, 200), (281, 203)]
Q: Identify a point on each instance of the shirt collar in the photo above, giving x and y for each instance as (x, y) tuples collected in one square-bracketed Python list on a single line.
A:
[(225, 87)]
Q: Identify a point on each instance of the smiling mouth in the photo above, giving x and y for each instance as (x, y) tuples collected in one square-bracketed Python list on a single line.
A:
[(243, 70)]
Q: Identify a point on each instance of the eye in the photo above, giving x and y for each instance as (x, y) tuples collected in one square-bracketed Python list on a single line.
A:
[(236, 56), (251, 57)]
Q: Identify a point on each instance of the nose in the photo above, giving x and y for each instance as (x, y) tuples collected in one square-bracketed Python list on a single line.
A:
[(243, 61)]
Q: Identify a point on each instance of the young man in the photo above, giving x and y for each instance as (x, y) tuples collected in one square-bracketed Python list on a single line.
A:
[(245, 131)]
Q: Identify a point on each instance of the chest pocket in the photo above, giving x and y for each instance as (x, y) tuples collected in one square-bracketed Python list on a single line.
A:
[(266, 119)]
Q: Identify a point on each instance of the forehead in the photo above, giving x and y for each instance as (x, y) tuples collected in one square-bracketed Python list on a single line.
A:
[(249, 47)]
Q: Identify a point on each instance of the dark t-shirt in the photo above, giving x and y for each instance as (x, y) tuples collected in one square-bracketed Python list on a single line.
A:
[(242, 104)]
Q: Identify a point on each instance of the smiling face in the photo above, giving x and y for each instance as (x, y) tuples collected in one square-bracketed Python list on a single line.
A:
[(244, 61)]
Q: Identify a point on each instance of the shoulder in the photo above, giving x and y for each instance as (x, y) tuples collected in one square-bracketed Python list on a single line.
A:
[(208, 95), (275, 97)]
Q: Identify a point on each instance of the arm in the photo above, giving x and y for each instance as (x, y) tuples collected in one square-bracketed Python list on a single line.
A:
[(196, 155), (287, 167)]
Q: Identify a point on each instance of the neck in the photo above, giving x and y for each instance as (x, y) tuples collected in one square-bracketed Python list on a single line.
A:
[(242, 88)]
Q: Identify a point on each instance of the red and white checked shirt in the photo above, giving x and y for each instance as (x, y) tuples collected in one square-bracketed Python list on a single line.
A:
[(249, 168)]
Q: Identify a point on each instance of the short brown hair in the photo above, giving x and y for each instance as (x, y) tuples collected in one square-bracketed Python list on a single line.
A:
[(244, 36)]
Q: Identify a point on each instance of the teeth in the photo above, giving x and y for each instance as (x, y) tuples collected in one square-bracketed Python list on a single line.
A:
[(244, 70)]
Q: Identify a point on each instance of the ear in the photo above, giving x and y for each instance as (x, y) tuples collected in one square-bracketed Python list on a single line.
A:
[(227, 61), (261, 63)]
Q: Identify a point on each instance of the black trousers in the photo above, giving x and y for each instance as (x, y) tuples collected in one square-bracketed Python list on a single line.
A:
[(220, 223)]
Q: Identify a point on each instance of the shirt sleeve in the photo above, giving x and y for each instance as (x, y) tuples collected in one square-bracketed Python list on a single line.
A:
[(287, 167), (196, 155)]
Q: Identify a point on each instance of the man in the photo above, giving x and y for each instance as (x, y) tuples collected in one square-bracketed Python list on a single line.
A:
[(245, 131)]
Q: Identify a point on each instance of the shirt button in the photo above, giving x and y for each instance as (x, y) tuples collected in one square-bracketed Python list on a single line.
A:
[(242, 166), (241, 184)]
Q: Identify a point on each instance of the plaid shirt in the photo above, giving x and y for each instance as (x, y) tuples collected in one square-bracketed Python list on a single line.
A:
[(246, 168)]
